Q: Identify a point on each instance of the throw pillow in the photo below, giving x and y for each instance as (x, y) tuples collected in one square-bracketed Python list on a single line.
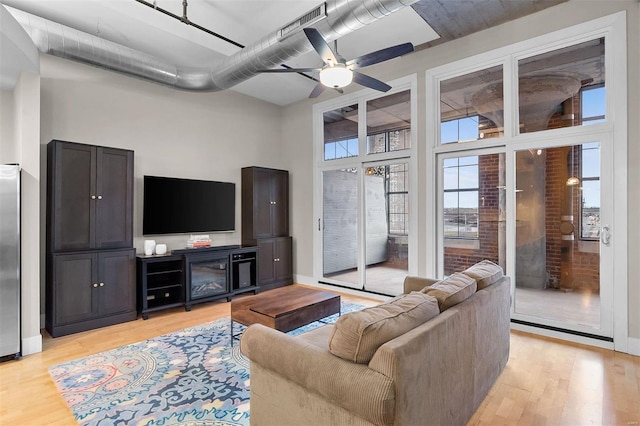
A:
[(358, 335), (485, 273), (451, 291)]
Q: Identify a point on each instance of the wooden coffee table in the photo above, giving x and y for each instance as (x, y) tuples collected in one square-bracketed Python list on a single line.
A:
[(285, 308)]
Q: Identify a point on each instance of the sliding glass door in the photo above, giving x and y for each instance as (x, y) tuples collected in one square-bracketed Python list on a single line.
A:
[(562, 239), (339, 227), (365, 201), (386, 212)]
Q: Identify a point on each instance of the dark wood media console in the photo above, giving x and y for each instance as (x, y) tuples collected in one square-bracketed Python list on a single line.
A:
[(190, 276)]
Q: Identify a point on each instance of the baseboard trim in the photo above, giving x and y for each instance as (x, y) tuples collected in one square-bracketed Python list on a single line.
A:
[(562, 336), (303, 279), (634, 346), (345, 290), (32, 345)]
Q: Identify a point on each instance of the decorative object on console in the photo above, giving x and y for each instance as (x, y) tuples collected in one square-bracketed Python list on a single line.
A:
[(198, 241), (149, 246), (161, 249), (90, 273)]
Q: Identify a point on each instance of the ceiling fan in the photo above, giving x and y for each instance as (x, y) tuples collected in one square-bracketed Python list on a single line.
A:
[(338, 72)]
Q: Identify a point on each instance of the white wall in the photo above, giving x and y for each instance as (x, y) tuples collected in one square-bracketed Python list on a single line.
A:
[(172, 133), (27, 150), (7, 141), (297, 126)]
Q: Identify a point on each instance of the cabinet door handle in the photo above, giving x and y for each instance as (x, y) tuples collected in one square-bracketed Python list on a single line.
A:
[(101, 284), (93, 197), (99, 197), (95, 284)]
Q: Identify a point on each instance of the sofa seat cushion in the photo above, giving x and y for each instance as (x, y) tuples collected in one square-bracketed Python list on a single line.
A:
[(451, 291), (357, 335), (485, 273)]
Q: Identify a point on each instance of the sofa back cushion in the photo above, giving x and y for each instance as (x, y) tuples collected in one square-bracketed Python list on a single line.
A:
[(485, 273), (451, 291), (358, 335)]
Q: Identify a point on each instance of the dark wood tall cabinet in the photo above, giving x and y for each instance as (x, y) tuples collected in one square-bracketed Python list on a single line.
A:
[(265, 223), (90, 254)]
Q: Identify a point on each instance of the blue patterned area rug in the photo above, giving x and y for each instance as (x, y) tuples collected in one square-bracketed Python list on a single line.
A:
[(192, 377)]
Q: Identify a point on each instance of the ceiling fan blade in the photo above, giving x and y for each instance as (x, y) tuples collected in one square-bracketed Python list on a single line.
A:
[(373, 83), (317, 90), (291, 70), (380, 56), (320, 45)]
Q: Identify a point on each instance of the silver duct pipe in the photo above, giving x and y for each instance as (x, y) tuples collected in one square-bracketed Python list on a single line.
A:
[(343, 17)]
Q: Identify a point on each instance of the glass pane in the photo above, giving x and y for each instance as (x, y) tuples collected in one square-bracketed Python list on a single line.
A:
[(386, 227), (474, 217), (593, 102), (557, 273), (471, 106), (590, 217), (468, 177), (550, 86), (590, 161), (450, 177), (376, 143), (389, 123), (340, 232), (341, 133)]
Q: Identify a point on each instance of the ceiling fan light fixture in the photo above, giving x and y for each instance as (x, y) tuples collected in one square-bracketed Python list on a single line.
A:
[(336, 76)]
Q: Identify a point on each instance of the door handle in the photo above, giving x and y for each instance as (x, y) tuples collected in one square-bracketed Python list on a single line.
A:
[(605, 235)]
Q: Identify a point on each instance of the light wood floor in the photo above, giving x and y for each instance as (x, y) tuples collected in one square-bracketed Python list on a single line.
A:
[(545, 382)]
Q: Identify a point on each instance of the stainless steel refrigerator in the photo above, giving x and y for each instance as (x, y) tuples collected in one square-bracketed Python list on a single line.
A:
[(9, 261)]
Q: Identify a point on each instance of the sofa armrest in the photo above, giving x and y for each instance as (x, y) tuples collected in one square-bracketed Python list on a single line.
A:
[(354, 387), (416, 283)]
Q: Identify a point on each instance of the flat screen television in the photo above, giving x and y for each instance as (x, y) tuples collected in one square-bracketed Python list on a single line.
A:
[(178, 206)]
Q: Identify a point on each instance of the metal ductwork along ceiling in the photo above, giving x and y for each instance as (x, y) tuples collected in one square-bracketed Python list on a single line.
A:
[(342, 17)]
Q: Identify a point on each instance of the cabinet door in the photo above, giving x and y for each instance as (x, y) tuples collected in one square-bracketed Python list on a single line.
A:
[(114, 198), (74, 288), (71, 188), (280, 203), (262, 203), (283, 263), (116, 284), (266, 256)]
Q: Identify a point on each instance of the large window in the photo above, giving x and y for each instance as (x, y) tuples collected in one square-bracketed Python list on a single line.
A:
[(340, 133), (471, 106), (461, 188), (389, 123)]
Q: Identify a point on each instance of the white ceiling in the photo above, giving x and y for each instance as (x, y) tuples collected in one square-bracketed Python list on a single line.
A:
[(137, 26)]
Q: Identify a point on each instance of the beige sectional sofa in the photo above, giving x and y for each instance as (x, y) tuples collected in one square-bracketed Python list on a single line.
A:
[(434, 372)]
